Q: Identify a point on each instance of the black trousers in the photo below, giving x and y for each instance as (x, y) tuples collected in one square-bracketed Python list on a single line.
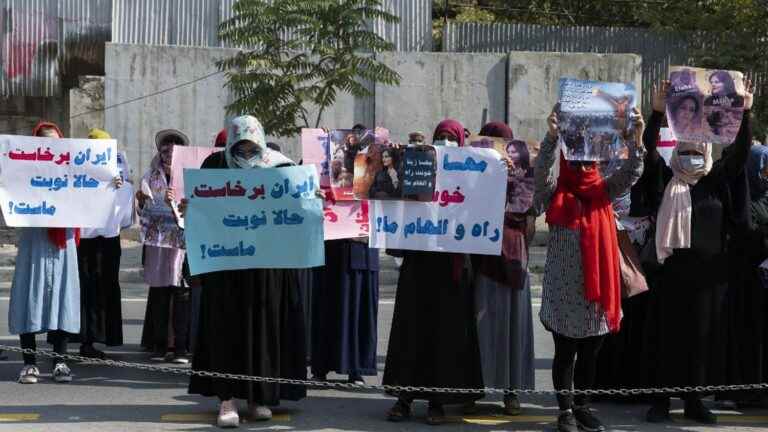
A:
[(58, 338), (575, 367), (101, 314), (160, 301)]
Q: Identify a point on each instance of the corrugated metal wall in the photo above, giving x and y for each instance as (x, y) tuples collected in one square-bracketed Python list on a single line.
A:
[(414, 31), (658, 51), (43, 39), (166, 22)]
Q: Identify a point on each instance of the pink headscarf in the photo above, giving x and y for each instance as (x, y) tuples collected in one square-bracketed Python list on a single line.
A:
[(453, 127)]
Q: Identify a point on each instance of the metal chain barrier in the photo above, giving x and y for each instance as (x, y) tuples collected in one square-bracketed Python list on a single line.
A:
[(385, 388)]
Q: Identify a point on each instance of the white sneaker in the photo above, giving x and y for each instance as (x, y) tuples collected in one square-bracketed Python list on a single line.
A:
[(61, 373), (260, 412), (228, 417), (29, 375)]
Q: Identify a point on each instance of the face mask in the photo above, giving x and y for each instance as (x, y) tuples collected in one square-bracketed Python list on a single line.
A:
[(692, 163), (446, 143)]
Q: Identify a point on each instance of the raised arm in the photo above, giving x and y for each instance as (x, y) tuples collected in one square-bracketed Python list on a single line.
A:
[(545, 179), (736, 157), (621, 181), (653, 128)]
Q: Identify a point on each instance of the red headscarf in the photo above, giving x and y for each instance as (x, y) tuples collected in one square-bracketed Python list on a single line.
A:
[(580, 202), (452, 127), (57, 236), (498, 130), (221, 139)]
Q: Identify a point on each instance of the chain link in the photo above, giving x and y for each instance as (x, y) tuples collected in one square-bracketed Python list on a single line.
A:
[(385, 388)]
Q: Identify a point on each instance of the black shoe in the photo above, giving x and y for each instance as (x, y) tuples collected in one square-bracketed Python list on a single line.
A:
[(587, 421), (91, 352), (696, 411), (435, 415), (659, 413), (566, 422)]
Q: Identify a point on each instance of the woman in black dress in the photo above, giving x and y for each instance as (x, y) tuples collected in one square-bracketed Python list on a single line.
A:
[(687, 321), (251, 321), (387, 182)]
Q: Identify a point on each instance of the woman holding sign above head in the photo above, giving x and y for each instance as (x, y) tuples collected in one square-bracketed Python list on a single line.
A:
[(345, 306), (581, 300), (503, 302), (169, 293), (251, 321), (698, 212), (433, 342)]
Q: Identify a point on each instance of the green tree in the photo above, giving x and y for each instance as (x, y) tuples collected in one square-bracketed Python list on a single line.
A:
[(301, 54)]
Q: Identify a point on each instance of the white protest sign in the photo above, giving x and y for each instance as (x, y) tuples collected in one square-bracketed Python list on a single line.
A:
[(64, 183), (466, 215)]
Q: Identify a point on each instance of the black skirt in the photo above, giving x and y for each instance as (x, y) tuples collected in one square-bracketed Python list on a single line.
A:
[(101, 314), (251, 323), (433, 342)]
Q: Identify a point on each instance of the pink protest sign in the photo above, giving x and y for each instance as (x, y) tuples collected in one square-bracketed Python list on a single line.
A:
[(187, 157), (345, 219)]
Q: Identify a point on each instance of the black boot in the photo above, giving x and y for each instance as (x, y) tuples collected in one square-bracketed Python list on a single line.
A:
[(696, 411), (566, 422), (659, 412), (586, 420)]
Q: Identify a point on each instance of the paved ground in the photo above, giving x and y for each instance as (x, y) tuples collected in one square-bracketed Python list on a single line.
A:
[(108, 399)]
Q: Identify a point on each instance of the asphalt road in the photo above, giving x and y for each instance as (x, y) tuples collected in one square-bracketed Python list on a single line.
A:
[(110, 399)]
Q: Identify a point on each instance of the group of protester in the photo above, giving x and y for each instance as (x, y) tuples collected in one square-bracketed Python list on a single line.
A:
[(697, 224)]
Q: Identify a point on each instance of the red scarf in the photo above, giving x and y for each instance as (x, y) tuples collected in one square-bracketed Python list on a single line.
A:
[(580, 202), (57, 236)]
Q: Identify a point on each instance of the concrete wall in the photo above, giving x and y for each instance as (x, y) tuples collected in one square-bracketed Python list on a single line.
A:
[(534, 77), (86, 106), (134, 71), (470, 88)]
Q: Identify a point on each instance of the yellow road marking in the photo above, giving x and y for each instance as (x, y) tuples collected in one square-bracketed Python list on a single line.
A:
[(211, 418), (495, 420), (18, 417)]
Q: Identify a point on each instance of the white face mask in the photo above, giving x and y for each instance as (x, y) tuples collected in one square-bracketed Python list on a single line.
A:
[(692, 162), (446, 143)]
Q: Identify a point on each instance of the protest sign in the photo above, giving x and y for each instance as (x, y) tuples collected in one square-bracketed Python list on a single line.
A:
[(159, 225), (467, 212), (343, 219), (187, 157), (49, 182), (666, 145), (344, 146), (385, 172), (593, 119), (520, 186), (705, 105), (253, 218)]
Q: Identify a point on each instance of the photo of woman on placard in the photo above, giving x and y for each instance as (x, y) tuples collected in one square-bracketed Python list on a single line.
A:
[(723, 90), (387, 183), (686, 115)]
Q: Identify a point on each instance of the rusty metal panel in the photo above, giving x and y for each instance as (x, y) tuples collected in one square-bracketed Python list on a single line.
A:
[(43, 40)]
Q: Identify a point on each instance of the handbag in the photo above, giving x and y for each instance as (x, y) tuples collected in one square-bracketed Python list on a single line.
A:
[(632, 277)]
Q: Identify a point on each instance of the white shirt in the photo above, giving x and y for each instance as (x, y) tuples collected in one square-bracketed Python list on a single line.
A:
[(121, 217)]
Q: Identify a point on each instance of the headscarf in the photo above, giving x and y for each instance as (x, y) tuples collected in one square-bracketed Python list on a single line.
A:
[(248, 128), (498, 130), (756, 162), (57, 236), (97, 133), (452, 127), (509, 270), (157, 163), (221, 138), (581, 202), (673, 224)]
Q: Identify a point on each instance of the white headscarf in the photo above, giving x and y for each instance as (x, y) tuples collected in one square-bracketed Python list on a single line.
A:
[(248, 128), (673, 224)]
